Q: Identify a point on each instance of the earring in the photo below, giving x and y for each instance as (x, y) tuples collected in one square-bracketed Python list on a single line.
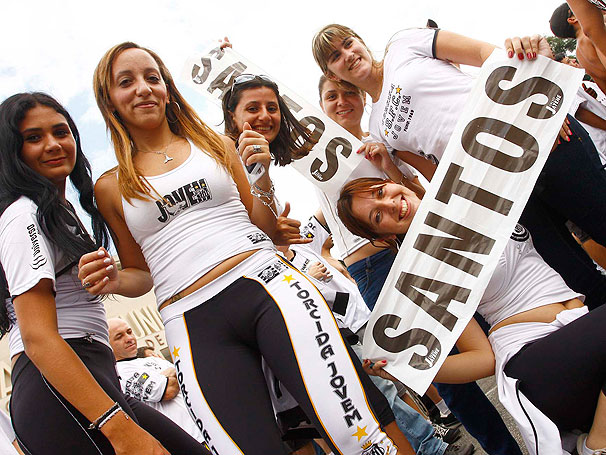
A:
[(171, 116)]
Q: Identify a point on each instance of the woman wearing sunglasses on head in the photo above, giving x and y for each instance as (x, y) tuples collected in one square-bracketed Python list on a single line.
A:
[(181, 209)]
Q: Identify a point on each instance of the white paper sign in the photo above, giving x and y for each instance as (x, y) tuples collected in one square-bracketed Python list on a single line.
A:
[(334, 155), (489, 168)]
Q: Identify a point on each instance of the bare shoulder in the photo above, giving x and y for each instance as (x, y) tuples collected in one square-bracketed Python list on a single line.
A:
[(230, 144), (589, 59)]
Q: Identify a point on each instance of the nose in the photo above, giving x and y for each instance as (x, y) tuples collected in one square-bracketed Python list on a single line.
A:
[(52, 143), (263, 114), (142, 88), (340, 99)]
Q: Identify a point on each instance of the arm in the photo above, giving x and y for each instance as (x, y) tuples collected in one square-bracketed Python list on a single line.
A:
[(172, 385), (134, 279), (37, 319), (425, 167), (591, 119), (475, 361), (461, 49), (592, 23), (260, 214)]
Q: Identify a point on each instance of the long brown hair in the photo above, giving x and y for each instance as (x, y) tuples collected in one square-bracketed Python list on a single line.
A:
[(184, 122), (362, 228)]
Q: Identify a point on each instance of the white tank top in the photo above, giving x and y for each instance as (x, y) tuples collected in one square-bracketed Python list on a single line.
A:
[(201, 223), (522, 281)]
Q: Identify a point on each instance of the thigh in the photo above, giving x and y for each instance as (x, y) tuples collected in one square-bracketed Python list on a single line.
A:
[(558, 248), (573, 183), (563, 373)]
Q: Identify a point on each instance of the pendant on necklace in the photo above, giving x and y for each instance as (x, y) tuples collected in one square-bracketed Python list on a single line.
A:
[(167, 158)]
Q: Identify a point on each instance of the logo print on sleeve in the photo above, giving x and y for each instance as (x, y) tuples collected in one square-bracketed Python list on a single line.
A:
[(182, 198), (38, 259), (520, 233)]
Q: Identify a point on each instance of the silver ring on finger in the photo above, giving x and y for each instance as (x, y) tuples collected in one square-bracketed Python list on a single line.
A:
[(86, 285), (256, 148)]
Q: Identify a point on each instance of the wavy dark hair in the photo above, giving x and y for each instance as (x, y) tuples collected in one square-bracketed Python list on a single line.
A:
[(293, 138), (54, 213)]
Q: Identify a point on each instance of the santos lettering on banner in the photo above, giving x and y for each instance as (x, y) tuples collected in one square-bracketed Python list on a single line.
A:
[(330, 161), (488, 170)]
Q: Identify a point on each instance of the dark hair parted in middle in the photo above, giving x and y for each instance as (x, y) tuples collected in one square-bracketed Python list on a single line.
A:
[(292, 139)]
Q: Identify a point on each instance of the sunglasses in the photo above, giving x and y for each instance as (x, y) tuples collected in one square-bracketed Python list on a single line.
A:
[(242, 78)]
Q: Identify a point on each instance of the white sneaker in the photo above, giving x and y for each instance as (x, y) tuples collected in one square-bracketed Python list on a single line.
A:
[(581, 442)]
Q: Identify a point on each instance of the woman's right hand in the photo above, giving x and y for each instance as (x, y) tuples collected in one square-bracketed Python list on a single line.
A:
[(98, 272), (320, 272), (378, 155), (528, 47)]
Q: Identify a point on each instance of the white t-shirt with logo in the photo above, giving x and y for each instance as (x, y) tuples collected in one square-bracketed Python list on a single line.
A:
[(421, 98), (27, 257), (141, 378)]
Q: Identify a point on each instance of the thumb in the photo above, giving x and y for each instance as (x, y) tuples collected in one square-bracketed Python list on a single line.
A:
[(246, 126), (286, 210)]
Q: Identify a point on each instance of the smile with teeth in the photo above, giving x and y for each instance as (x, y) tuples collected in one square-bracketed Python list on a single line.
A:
[(343, 112), (263, 129), (403, 209), (355, 63)]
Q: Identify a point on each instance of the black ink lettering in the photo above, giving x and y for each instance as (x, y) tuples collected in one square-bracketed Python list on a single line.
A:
[(207, 65), (332, 162), (445, 249), (452, 184), (229, 74), (513, 134)]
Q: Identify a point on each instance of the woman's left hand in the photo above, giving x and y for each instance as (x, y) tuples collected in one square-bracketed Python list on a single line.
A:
[(528, 47), (253, 147), (563, 135), (378, 155)]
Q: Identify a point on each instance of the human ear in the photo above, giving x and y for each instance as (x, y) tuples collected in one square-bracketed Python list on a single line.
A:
[(331, 76)]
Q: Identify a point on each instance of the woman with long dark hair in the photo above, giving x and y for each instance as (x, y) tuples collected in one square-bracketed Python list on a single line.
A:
[(66, 396), (181, 208)]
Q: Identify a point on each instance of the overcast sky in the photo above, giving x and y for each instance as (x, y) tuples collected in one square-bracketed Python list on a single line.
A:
[(55, 46)]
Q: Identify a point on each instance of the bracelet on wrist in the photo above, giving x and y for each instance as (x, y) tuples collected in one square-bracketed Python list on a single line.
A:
[(106, 417), (261, 194)]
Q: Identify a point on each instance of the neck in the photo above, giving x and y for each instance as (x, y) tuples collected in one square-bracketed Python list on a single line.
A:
[(358, 132), (374, 83), (154, 140)]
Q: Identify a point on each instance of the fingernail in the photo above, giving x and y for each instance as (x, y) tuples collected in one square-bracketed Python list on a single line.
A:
[(567, 139), (534, 55), (109, 268), (567, 122), (106, 279), (510, 53), (101, 253), (359, 150), (559, 142), (107, 260), (529, 55), (521, 56)]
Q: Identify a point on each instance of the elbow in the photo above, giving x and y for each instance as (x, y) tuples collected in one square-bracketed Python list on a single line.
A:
[(37, 343)]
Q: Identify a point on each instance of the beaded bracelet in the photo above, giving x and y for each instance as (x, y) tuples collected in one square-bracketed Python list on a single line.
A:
[(106, 416)]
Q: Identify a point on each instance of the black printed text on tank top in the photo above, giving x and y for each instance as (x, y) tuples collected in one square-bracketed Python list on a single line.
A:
[(182, 198)]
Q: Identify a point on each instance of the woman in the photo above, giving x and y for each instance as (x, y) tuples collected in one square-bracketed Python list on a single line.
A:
[(179, 203), (543, 339), (427, 94), (66, 396), (255, 100), (369, 263)]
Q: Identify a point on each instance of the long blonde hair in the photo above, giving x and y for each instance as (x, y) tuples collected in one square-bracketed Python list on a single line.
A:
[(186, 124)]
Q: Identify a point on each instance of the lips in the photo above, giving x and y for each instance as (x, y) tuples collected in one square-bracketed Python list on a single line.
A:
[(55, 161), (355, 63), (344, 112), (146, 104), (404, 209)]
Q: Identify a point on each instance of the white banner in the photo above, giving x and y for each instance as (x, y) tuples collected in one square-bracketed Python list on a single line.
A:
[(477, 195), (333, 157)]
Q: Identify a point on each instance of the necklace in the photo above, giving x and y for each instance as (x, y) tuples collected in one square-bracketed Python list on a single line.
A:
[(163, 152)]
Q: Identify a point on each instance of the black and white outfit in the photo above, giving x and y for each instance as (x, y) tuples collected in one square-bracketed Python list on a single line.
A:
[(44, 422), (261, 307), (549, 375), (421, 100), (142, 379)]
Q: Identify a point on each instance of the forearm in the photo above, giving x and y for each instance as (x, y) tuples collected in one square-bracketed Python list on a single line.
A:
[(591, 119), (466, 367), (134, 282), (64, 370), (264, 209)]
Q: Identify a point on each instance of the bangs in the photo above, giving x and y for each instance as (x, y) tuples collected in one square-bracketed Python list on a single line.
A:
[(322, 45)]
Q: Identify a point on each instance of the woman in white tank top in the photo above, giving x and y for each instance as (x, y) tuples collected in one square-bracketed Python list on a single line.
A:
[(539, 328), (226, 299)]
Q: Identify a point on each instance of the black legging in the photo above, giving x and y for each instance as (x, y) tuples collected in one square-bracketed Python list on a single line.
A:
[(562, 374), (46, 424)]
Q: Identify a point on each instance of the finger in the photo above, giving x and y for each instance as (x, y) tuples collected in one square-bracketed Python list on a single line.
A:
[(286, 210), (98, 287), (99, 275), (509, 48), (246, 127), (363, 149), (90, 257), (526, 48), (91, 268), (518, 49), (299, 241), (534, 47), (290, 222)]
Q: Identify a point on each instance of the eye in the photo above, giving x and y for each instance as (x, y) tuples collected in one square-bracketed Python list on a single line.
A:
[(252, 109), (62, 132), (380, 193), (154, 78), (377, 217), (331, 97), (272, 109), (334, 56), (124, 82), (347, 43)]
